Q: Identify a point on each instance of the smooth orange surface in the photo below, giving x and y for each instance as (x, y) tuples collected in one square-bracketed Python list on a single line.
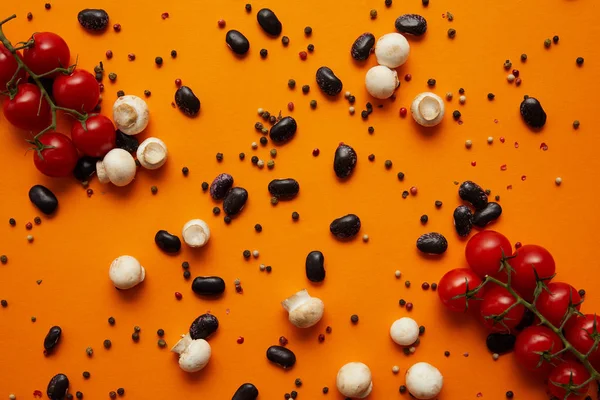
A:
[(73, 249)]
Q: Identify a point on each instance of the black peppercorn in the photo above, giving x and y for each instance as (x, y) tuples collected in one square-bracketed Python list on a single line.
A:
[(402, 302), (579, 60), (12, 222), (555, 39), (254, 159), (111, 321), (421, 330), (47, 6), (246, 254), (388, 3), (160, 333), (186, 274), (401, 176), (388, 164), (581, 292), (204, 186), (351, 99), (403, 388), (264, 140), (456, 114), (269, 268), (258, 228), (431, 82), (295, 216), (310, 48), (219, 156), (447, 353), (291, 83), (326, 389), (510, 394), (86, 374), (451, 33), (264, 53), (112, 394), (121, 391), (308, 31), (405, 194), (294, 394), (354, 318), (227, 219), (79, 395), (173, 53), (120, 93), (107, 344), (438, 204), (461, 91), (424, 218), (216, 210), (371, 157), (305, 89), (285, 40), (364, 114), (491, 96), (158, 60), (298, 382), (185, 265), (4, 303), (248, 7), (135, 336)]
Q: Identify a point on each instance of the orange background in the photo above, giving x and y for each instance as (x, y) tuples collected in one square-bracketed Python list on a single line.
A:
[(72, 250)]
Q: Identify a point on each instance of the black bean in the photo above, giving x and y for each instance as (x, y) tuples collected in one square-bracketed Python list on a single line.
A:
[(167, 242), (220, 186), (127, 142), (43, 199), (432, 243), (187, 101), (208, 285), (362, 46), (85, 168), (281, 356), (500, 343), (345, 227), (284, 189), (330, 84), (237, 42), (52, 338), (532, 112), (344, 161), (284, 130), (490, 213), (527, 320), (269, 22), (473, 193), (204, 326), (57, 387), (235, 200), (315, 269), (93, 19), (246, 392), (463, 220), (411, 24)]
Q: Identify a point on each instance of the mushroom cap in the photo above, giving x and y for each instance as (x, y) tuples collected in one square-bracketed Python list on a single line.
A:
[(152, 153), (125, 272), (354, 380), (196, 233), (118, 166), (130, 114), (392, 50), (424, 381), (195, 356), (404, 331), (304, 310), (427, 109), (381, 81)]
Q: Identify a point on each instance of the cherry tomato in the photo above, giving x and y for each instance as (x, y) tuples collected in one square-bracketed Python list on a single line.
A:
[(528, 258), (485, 250), (582, 333), (534, 340), (78, 91), (24, 110), (48, 52), (495, 301), (459, 282), (8, 67), (59, 158), (568, 373), (554, 305), (98, 139)]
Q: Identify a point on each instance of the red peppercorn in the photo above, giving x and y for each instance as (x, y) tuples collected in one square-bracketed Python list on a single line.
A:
[(425, 286), (131, 56), (177, 82), (221, 23), (101, 87), (28, 226), (502, 139), (29, 16), (321, 338), (240, 340), (518, 245), (164, 15), (518, 82), (283, 341), (117, 27), (316, 152), (328, 329), (473, 163), (409, 306), (291, 106), (303, 55), (407, 77), (403, 112), (109, 54), (515, 72), (413, 190), (178, 296), (90, 192), (238, 289)]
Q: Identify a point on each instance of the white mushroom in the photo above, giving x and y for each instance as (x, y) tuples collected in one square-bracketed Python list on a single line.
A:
[(304, 310), (130, 114), (118, 167), (354, 380), (392, 50), (424, 381), (193, 354), (381, 82), (152, 153), (404, 331), (196, 233), (125, 272), (427, 109)]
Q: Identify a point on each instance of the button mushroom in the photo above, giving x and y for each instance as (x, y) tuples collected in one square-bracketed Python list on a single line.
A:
[(427, 109), (304, 310), (193, 354), (404, 331), (381, 81), (424, 381), (354, 380), (392, 50), (152, 153), (118, 167), (130, 114), (125, 272), (196, 233)]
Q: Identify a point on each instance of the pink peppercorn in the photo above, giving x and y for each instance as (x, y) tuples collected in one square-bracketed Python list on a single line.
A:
[(109, 54), (291, 106), (28, 226), (321, 338), (221, 23), (117, 27), (283, 341), (409, 306), (503, 167), (328, 329), (515, 72), (177, 82), (303, 55), (178, 296), (403, 112), (90, 192), (518, 245), (502, 139), (240, 340), (473, 163), (407, 77), (413, 190), (316, 152), (131, 56), (164, 15), (425, 286), (101, 87), (518, 82)]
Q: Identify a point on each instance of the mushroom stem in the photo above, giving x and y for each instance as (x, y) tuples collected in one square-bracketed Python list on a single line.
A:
[(196, 233), (152, 153), (427, 109)]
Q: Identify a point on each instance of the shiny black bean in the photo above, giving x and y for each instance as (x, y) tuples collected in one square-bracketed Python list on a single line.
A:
[(246, 392), (281, 356), (220, 186), (344, 161), (411, 24), (284, 189), (167, 242), (269, 22), (345, 227), (362, 46), (92, 19), (47, 83), (127, 142), (235, 200), (204, 326), (532, 112), (473, 193), (208, 285), (237, 42), (490, 213), (432, 243), (43, 199), (330, 84), (85, 168), (527, 320), (187, 101), (52, 338), (284, 130), (500, 343), (463, 220), (57, 387), (315, 269)]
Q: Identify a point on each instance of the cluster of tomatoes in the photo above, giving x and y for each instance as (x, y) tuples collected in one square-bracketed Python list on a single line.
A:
[(27, 108), (532, 270)]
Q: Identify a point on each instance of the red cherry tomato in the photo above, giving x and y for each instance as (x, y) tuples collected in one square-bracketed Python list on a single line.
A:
[(534, 340), (78, 91), (495, 301), (98, 139), (568, 373), (582, 333), (59, 156), (48, 52), (24, 110), (485, 250), (554, 305), (8, 67), (458, 282), (526, 259)]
